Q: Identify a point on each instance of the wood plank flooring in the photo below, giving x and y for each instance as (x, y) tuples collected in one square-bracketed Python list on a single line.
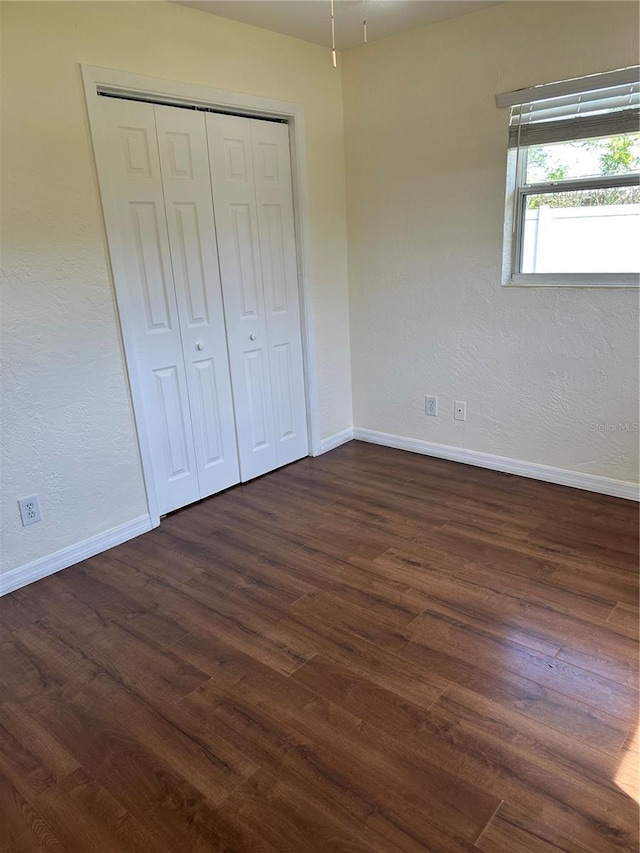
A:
[(368, 651)]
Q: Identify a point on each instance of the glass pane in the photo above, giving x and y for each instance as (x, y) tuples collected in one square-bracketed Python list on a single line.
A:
[(584, 158), (587, 231)]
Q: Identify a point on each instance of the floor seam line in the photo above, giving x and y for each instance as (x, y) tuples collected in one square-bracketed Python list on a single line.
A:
[(486, 826)]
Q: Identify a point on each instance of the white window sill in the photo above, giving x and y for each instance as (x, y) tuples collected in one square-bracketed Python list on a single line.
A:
[(573, 280)]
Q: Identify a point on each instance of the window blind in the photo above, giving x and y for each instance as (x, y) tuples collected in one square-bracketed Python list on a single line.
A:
[(609, 108)]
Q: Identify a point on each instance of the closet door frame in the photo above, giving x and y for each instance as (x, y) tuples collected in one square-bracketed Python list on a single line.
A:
[(98, 81)]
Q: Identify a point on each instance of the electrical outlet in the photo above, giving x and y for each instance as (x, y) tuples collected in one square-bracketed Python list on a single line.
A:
[(460, 410), (29, 510), (431, 406)]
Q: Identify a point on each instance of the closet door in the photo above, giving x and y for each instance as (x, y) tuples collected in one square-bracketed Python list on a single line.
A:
[(251, 177), (184, 162), (274, 202), (131, 186), (231, 161)]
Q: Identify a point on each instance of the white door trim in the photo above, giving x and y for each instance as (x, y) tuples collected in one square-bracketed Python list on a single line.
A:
[(109, 80)]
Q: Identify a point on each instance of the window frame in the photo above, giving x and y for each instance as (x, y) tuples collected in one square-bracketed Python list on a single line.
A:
[(517, 192), (517, 189)]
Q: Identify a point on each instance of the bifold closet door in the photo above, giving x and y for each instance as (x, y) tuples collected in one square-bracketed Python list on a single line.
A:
[(184, 163), (187, 407), (251, 180), (131, 186)]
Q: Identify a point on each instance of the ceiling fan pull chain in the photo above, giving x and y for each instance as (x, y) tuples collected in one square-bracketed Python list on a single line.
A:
[(334, 56)]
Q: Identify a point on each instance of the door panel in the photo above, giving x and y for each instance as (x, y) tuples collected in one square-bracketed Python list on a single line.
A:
[(208, 397), (273, 260), (141, 264), (274, 202), (283, 372), (254, 369), (171, 406), (184, 162), (148, 252), (245, 253), (229, 140), (187, 255)]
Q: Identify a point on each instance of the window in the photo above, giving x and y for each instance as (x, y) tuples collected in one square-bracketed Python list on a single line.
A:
[(573, 182)]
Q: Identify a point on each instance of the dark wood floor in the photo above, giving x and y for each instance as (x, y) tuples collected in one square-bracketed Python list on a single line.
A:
[(368, 651)]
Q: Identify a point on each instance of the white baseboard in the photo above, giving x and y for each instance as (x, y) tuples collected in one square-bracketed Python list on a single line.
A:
[(561, 476), (44, 566), (40, 568), (336, 440)]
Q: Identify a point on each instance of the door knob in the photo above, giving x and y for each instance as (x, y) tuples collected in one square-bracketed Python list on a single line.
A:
[(252, 336), (199, 346)]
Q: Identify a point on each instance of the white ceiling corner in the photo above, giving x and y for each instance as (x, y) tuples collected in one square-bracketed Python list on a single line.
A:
[(310, 19)]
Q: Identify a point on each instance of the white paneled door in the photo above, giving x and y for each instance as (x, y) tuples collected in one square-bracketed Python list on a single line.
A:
[(251, 180), (274, 203), (221, 380), (184, 163), (141, 261)]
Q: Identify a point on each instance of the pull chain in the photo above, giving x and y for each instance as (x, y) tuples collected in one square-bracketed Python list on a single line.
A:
[(334, 55)]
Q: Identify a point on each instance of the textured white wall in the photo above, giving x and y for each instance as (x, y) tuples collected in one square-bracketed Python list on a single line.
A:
[(68, 431), (426, 160)]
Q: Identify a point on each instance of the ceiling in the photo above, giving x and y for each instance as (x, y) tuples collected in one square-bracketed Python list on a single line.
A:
[(310, 19)]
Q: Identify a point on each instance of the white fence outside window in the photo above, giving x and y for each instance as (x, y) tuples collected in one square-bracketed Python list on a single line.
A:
[(582, 239)]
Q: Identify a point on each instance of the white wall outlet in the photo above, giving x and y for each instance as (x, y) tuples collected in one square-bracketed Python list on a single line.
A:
[(431, 406), (29, 510), (460, 410)]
